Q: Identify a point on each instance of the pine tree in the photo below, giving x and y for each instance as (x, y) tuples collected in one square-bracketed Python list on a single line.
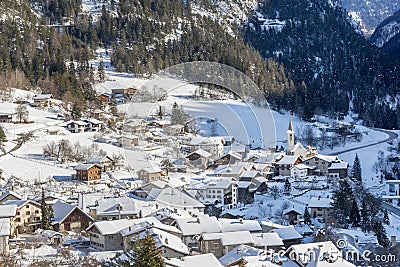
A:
[(45, 213), (288, 187), (144, 252), (386, 217), (160, 113), (356, 170), (365, 223), (307, 216), (380, 233), (342, 203), (355, 214), (101, 74), (2, 136)]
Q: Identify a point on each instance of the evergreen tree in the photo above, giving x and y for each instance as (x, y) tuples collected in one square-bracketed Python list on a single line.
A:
[(307, 216), (2, 136), (288, 187), (386, 217), (380, 233), (365, 222), (355, 214), (101, 74), (45, 213), (144, 252), (178, 115), (356, 169), (342, 203)]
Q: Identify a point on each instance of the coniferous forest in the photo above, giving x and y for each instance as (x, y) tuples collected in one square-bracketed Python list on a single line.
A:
[(318, 63)]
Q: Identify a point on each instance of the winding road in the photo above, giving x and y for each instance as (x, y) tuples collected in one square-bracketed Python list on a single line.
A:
[(392, 136)]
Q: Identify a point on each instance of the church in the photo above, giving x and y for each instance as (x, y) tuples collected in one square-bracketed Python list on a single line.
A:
[(298, 149)]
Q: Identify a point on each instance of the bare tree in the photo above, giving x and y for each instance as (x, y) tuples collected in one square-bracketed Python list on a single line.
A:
[(275, 191), (21, 111)]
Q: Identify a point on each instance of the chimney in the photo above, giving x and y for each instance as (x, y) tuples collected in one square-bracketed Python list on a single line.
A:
[(198, 219), (393, 240), (241, 220), (166, 241)]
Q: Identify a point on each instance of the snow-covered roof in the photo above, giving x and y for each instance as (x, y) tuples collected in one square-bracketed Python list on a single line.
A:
[(115, 206), (293, 208), (230, 238), (234, 225), (80, 123), (85, 167), (238, 253), (339, 166), (229, 169), (62, 210), (302, 166), (219, 183), (8, 193), (267, 240), (168, 240), (272, 224), (195, 261), (296, 147), (20, 203), (287, 160), (5, 227), (215, 140), (8, 211), (303, 228), (98, 159), (42, 97), (288, 233), (232, 154), (249, 174), (93, 121), (201, 153), (199, 225), (157, 224), (111, 227), (320, 202), (243, 184), (172, 197), (327, 158), (151, 170)]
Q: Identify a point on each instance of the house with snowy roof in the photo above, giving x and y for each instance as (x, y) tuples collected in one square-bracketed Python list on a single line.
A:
[(301, 171), (199, 158), (76, 126), (229, 170), (28, 216), (170, 246), (89, 173), (221, 243), (267, 241), (42, 101), (128, 140), (193, 227), (285, 164), (106, 236), (229, 158), (321, 208), (293, 214), (289, 235), (10, 195), (213, 145), (5, 117), (114, 208), (338, 169), (236, 225), (236, 255), (93, 125), (321, 163), (68, 217), (104, 161), (212, 191), (150, 174), (175, 200)]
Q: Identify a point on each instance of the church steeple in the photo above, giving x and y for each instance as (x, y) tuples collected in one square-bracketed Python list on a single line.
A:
[(290, 137)]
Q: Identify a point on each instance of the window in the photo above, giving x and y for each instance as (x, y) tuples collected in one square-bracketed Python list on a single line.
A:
[(216, 245), (28, 213), (27, 206), (391, 188)]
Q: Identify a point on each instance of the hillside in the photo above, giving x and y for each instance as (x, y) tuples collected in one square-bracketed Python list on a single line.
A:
[(387, 35), (302, 54), (370, 13)]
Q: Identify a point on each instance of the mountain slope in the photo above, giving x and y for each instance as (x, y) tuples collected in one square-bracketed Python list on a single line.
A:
[(370, 13), (387, 35), (316, 42)]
